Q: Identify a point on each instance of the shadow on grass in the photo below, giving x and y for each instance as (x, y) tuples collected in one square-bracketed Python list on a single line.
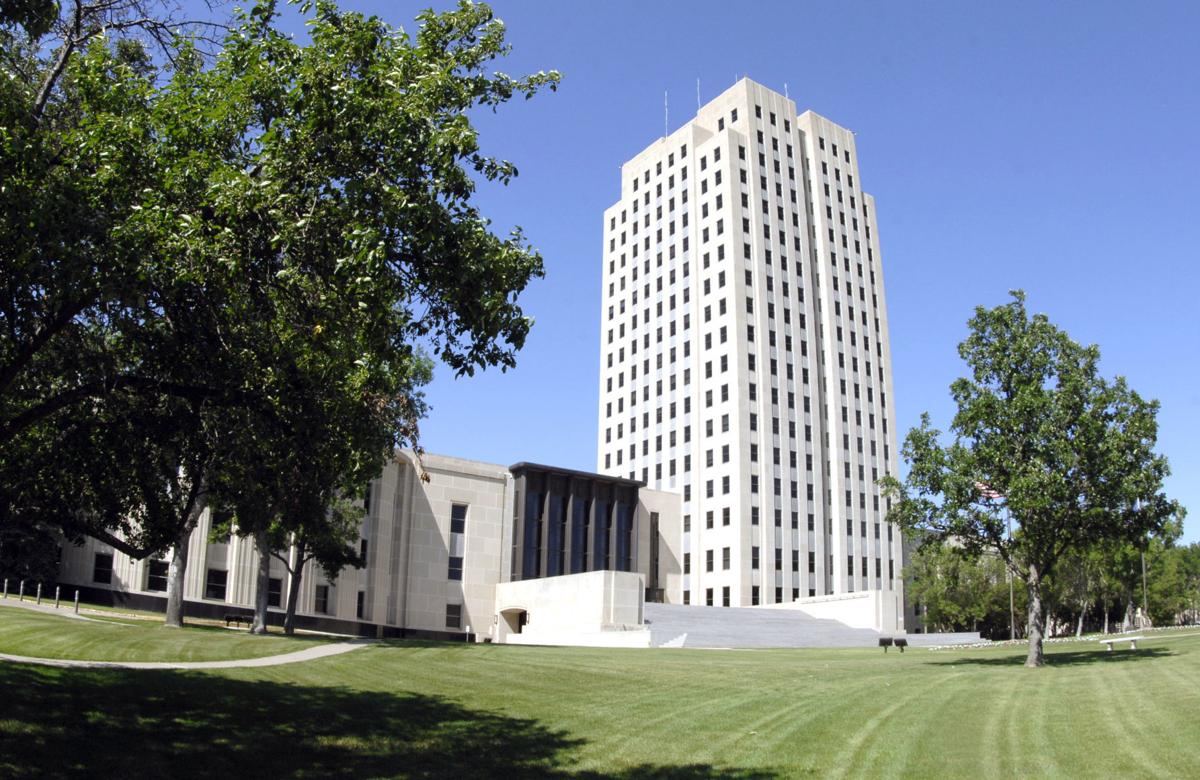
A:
[(58, 723), (1067, 658)]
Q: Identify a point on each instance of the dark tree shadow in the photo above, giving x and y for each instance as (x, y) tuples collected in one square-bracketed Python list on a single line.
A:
[(68, 723), (1067, 658)]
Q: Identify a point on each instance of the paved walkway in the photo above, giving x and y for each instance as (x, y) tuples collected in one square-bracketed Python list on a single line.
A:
[(307, 654)]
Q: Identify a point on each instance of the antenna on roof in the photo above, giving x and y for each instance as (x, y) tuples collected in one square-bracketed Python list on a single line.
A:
[(666, 115), (697, 94)]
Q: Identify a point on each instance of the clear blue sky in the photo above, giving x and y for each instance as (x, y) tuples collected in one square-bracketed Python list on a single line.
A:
[(1044, 146)]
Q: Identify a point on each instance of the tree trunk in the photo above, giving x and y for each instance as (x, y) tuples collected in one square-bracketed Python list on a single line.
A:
[(1036, 623), (175, 578), (1079, 625), (1127, 620), (1106, 616), (262, 592), (295, 570), (179, 557)]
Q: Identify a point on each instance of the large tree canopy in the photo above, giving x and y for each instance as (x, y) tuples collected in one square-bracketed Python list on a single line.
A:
[(213, 260), (1041, 435)]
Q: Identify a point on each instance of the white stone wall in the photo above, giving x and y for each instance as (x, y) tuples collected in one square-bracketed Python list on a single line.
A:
[(597, 608), (879, 610), (422, 558)]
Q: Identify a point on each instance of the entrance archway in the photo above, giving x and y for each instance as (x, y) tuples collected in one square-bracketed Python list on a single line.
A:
[(512, 621)]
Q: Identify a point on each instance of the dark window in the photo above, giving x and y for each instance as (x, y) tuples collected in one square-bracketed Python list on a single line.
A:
[(456, 568), (624, 549), (531, 559), (156, 578), (321, 600), (580, 521), (454, 616), (275, 592), (358, 609), (214, 584), (102, 572), (601, 552), (458, 518)]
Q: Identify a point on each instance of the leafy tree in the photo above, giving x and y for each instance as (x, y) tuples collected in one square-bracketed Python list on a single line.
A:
[(327, 539), (82, 414), (248, 254), (957, 592), (1077, 586), (1040, 434), (28, 552)]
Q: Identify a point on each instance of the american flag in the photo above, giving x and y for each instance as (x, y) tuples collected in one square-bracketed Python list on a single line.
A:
[(986, 491)]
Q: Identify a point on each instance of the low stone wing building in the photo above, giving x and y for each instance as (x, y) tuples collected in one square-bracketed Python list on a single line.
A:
[(458, 549)]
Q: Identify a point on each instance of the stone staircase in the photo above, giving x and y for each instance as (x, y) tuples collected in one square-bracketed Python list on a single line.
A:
[(674, 625)]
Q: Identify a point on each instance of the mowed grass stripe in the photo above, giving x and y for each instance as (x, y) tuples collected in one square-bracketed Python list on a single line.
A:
[(997, 740), (1132, 731), (445, 710), (1146, 712), (900, 747)]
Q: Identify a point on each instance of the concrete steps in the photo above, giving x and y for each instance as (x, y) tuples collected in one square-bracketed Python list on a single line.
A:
[(674, 625)]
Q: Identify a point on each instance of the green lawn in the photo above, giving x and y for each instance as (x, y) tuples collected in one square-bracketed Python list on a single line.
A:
[(25, 632), (440, 710)]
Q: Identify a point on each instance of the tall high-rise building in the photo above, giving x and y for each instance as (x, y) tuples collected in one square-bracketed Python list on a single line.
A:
[(744, 355)]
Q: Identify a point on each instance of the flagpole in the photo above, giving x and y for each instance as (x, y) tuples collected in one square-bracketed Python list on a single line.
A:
[(1012, 613)]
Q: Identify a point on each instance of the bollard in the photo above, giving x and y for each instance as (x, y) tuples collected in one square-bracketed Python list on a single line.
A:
[(6, 587), (467, 636), (22, 595), (77, 601), (57, 588), (39, 594)]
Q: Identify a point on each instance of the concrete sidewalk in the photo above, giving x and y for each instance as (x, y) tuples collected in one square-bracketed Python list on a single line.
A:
[(308, 654)]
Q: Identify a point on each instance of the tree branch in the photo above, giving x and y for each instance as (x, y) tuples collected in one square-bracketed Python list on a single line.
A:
[(9, 373), (117, 543), (70, 42)]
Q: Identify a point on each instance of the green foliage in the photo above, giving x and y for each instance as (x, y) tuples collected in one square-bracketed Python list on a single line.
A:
[(957, 592), (1039, 434), (1173, 584), (36, 17), (222, 278), (28, 552)]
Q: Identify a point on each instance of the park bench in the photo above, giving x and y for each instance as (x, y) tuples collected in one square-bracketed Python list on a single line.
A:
[(237, 619), (1132, 640)]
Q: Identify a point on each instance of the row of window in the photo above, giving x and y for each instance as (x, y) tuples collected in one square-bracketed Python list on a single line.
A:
[(756, 594), (755, 562), (215, 583)]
